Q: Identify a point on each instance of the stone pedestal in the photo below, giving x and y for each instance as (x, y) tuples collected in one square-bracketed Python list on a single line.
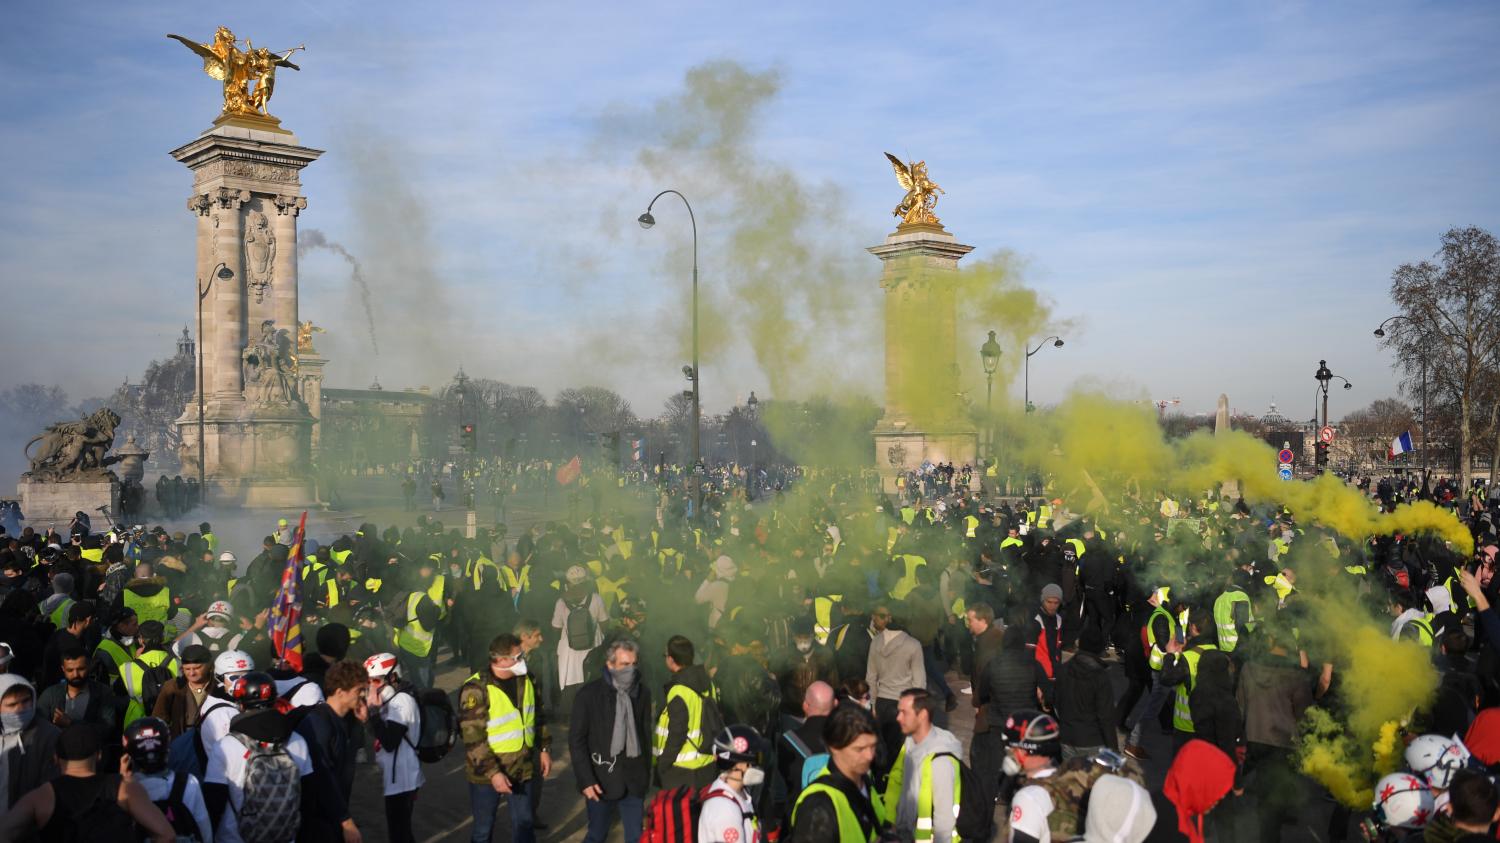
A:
[(246, 199), (923, 419), (51, 503), (310, 385)]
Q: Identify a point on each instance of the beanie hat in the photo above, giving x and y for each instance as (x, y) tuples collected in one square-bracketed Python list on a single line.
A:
[(1119, 811), (78, 742), (333, 641), (1052, 589)]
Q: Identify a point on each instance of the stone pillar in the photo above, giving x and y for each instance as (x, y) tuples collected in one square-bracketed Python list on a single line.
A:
[(310, 384), (284, 290), (921, 421), (201, 205), (228, 296)]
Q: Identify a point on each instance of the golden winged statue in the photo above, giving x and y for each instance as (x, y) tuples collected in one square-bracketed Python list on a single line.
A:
[(249, 75), (305, 331), (921, 193)]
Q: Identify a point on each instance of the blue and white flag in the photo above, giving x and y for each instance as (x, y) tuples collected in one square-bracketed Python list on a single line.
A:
[(1400, 445)]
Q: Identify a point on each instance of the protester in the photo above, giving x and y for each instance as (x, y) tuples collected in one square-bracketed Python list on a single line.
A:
[(259, 739), (27, 742), (728, 812), (607, 744), (326, 794), (687, 722), (178, 795), (502, 719), (837, 805), (395, 720), (924, 788)]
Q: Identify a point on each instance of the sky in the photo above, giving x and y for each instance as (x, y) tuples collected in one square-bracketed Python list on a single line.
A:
[(1211, 196)]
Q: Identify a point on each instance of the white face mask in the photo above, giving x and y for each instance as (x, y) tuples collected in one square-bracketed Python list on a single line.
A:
[(1010, 765), (386, 692), (519, 669), (753, 776), (215, 632)]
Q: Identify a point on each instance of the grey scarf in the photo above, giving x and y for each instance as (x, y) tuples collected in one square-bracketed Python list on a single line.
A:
[(624, 739)]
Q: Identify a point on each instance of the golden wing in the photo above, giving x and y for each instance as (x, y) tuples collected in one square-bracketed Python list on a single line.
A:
[(212, 64), (903, 173)]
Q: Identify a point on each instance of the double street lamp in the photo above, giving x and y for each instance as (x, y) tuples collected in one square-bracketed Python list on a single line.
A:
[(1324, 376), (1380, 333), (691, 371), (224, 273), (1026, 395)]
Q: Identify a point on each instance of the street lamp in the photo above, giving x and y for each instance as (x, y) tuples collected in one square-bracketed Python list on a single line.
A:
[(692, 372), (753, 404), (222, 271), (1026, 395), (1380, 333), (1324, 376), (989, 357)]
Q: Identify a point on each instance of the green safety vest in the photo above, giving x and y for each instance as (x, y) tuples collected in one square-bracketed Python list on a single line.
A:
[(691, 756), (94, 555), (506, 729), (116, 653), (413, 637), (849, 829), (1156, 657), (1011, 541), (340, 556), (1182, 712), (1424, 629), (212, 541), (59, 616), (823, 616), (1229, 632), (333, 597), (894, 786), (476, 570), (133, 677), (1044, 516), (153, 608), (908, 581), (315, 568), (971, 526)]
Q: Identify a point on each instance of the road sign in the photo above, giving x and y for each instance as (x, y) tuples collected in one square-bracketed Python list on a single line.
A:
[(1326, 434), (1286, 456), (1285, 472)]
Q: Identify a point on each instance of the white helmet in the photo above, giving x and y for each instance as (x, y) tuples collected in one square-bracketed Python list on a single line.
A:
[(1436, 758), (226, 556), (220, 608), (380, 665), (232, 664), (1402, 801)]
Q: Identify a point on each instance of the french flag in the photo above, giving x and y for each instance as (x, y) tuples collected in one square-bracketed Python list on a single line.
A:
[(1400, 445)]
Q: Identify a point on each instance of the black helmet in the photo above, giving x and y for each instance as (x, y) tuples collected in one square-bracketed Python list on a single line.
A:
[(255, 690), (146, 742), (737, 744), (1032, 731)]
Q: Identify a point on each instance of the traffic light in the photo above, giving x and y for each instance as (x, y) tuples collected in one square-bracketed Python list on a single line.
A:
[(1320, 456), (467, 438)]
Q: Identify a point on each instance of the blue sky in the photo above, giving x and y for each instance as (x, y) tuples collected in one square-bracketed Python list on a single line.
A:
[(1212, 195)]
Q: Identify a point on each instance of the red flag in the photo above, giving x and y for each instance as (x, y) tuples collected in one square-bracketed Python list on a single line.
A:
[(286, 611), (568, 473)]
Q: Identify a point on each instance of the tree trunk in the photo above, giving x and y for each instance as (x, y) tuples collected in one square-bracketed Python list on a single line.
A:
[(1495, 428), (1465, 447)]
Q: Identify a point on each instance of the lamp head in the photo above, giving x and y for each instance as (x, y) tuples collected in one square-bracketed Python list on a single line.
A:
[(646, 220), (687, 372), (1348, 385), (989, 354), (752, 400), (1379, 332), (225, 272), (1058, 343)]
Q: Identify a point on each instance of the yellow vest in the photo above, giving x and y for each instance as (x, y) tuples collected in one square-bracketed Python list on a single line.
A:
[(691, 756), (154, 608), (133, 677), (413, 637), (507, 730)]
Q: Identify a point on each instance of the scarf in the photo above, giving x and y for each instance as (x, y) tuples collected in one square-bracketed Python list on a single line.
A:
[(1200, 776), (623, 739)]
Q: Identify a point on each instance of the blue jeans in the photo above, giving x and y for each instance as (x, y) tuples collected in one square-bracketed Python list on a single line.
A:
[(630, 808), (483, 800)]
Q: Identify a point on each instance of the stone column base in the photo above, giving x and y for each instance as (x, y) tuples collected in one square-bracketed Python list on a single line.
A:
[(260, 493), (49, 503), (900, 451)]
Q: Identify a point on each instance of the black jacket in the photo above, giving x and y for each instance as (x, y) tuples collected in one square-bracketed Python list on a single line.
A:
[(325, 794), (1086, 703), (1009, 683), (817, 821), (589, 737), (790, 760)]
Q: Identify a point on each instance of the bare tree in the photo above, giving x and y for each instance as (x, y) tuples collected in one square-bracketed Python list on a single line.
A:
[(1369, 430), (1452, 308)]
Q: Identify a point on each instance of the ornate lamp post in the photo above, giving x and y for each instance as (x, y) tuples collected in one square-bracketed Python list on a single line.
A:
[(989, 357), (691, 371), (1324, 377)]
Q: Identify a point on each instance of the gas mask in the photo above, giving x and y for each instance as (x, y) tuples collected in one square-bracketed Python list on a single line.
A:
[(1010, 765)]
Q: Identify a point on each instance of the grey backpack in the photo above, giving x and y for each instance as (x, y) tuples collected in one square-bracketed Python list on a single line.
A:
[(271, 810)]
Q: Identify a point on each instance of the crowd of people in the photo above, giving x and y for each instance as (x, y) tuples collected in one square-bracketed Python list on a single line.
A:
[(780, 667)]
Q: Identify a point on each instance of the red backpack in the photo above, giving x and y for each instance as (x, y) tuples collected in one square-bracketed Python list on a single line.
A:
[(672, 816)]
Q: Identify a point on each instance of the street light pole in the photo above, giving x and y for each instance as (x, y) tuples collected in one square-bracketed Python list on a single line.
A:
[(221, 271), (989, 357), (1380, 332), (646, 221), (1026, 395)]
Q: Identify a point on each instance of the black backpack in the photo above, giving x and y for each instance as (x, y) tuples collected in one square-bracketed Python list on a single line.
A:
[(581, 625), (437, 725), (175, 809), (976, 820), (153, 679)]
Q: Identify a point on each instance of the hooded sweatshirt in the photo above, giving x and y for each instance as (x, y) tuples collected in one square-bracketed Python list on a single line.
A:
[(26, 755), (938, 740)]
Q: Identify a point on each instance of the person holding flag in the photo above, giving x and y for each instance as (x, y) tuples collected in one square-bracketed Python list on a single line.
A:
[(286, 609)]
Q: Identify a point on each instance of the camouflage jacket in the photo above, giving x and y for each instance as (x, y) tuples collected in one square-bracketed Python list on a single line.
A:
[(1069, 789), (480, 762)]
